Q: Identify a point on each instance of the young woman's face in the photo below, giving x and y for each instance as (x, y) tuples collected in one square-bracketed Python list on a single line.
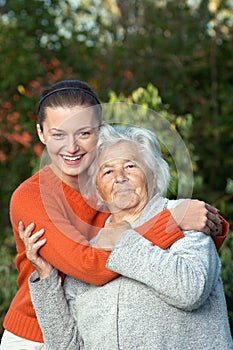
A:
[(123, 178), (70, 135)]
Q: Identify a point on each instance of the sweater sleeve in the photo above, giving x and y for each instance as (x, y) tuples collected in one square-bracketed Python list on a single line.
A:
[(182, 276), (218, 240), (67, 247), (69, 253), (55, 316)]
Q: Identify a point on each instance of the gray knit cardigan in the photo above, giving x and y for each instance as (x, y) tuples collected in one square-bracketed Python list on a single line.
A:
[(165, 300)]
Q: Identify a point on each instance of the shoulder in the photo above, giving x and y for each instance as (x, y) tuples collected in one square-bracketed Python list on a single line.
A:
[(31, 188), (30, 183)]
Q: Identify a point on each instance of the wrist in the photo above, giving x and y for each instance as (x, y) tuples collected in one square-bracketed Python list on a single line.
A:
[(42, 274)]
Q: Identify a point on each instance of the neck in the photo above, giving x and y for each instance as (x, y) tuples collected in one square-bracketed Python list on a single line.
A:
[(71, 181), (126, 215)]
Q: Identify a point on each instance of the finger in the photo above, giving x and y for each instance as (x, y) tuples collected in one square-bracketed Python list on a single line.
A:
[(215, 230), (23, 233), (206, 230), (211, 224), (211, 209), (29, 229), (35, 237), (33, 248), (26, 232), (214, 218), (21, 226), (32, 252), (36, 246), (21, 229)]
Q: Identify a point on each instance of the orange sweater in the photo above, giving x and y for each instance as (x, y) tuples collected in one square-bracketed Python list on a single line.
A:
[(68, 223)]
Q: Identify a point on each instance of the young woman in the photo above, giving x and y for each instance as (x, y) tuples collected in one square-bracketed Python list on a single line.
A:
[(169, 298), (69, 121)]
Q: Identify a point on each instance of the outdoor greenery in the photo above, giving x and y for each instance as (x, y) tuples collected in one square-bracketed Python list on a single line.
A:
[(172, 57)]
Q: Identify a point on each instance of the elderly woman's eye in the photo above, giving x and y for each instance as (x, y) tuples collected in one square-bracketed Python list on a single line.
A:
[(131, 165), (107, 172)]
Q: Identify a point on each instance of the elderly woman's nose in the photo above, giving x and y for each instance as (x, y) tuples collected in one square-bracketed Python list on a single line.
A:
[(120, 175)]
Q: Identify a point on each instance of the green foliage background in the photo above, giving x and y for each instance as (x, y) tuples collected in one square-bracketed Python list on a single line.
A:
[(169, 56)]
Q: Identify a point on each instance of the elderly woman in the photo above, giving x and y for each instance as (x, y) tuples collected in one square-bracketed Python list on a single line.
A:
[(165, 298)]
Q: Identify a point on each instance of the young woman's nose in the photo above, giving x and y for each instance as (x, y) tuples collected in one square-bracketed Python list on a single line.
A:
[(73, 145)]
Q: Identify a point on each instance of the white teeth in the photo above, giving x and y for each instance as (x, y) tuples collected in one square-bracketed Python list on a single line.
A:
[(72, 158)]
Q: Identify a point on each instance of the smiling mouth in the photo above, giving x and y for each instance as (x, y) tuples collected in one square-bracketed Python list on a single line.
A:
[(72, 159)]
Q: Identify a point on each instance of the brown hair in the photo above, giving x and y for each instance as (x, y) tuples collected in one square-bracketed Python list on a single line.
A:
[(67, 93)]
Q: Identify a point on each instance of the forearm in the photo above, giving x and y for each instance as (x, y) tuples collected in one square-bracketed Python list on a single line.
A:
[(56, 320), (182, 276), (161, 230), (66, 247)]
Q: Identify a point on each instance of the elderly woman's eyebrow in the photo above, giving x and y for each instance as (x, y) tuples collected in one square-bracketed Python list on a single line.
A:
[(109, 164), (104, 166)]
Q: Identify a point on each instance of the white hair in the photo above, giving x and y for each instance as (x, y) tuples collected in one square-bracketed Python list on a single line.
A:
[(148, 147)]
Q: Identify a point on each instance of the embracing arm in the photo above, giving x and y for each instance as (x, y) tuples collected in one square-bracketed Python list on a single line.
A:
[(54, 314), (182, 276), (66, 246), (163, 229), (192, 214)]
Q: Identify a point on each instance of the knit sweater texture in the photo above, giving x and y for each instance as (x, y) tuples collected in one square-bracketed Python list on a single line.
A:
[(69, 224), (169, 299)]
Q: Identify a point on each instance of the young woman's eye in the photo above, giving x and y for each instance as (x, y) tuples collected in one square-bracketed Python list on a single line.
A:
[(85, 133), (58, 135)]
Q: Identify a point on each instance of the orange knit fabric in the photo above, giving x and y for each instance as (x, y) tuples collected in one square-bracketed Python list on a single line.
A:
[(68, 221), (51, 204)]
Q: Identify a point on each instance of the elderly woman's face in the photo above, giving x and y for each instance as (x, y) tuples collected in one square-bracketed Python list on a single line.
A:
[(122, 178)]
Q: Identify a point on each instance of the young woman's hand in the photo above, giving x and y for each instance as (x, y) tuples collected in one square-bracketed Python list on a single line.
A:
[(110, 234), (192, 214), (32, 245)]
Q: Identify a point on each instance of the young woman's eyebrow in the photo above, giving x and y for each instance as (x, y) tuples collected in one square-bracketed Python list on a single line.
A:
[(55, 129), (78, 130)]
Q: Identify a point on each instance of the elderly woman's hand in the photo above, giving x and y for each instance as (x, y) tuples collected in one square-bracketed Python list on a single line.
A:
[(32, 245), (197, 215), (110, 234)]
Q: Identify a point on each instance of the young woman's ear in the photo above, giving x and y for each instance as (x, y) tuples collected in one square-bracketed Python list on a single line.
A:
[(40, 134)]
